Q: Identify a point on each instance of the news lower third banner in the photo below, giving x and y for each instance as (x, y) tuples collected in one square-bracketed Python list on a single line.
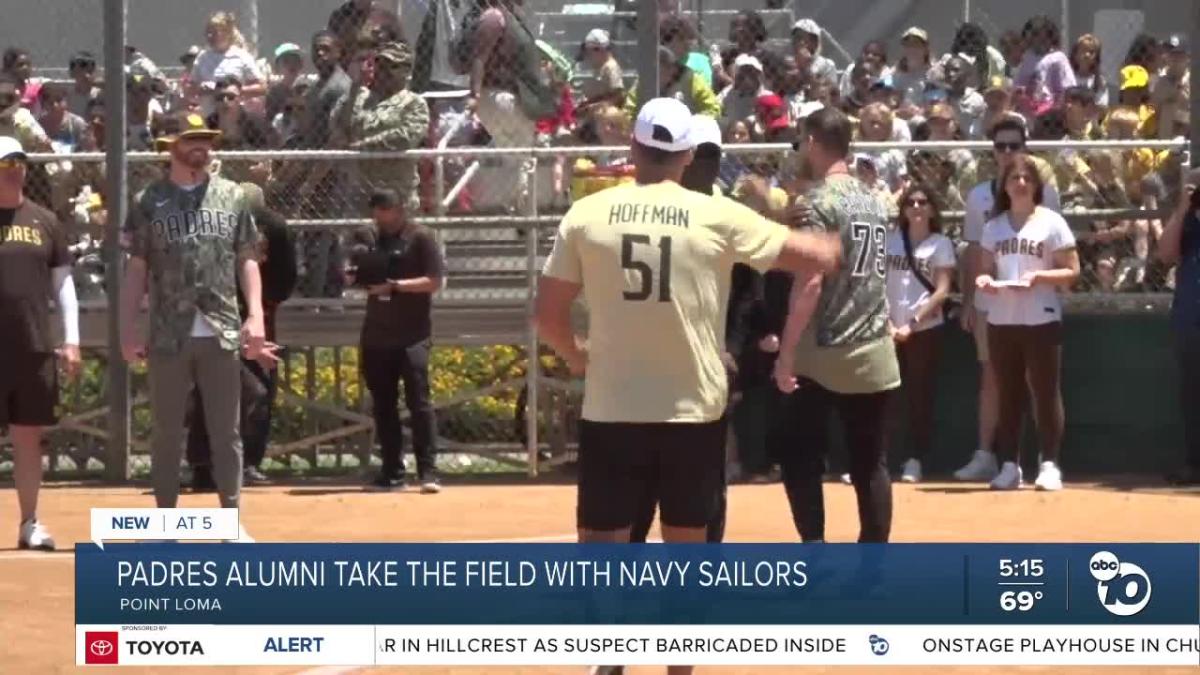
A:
[(565, 604)]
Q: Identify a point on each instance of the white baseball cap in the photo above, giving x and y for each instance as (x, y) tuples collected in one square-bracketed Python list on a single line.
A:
[(11, 147), (807, 26), (705, 130), (746, 60), (665, 124), (598, 37)]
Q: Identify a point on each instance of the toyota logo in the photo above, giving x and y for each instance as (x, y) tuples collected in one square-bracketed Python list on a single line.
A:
[(100, 647)]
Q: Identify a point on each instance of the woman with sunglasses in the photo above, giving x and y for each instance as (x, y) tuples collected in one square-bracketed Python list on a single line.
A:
[(920, 271), (1028, 255)]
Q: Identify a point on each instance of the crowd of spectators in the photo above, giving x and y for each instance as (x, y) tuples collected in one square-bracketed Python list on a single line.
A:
[(351, 86)]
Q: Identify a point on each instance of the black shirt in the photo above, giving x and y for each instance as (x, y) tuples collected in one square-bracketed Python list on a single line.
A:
[(401, 319), (32, 243)]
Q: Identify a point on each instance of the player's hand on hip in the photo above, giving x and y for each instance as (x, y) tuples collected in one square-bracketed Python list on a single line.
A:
[(901, 334), (729, 362), (70, 358), (253, 337)]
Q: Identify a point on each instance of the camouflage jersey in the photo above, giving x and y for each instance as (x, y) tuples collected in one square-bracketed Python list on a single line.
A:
[(852, 308), (399, 122), (193, 242)]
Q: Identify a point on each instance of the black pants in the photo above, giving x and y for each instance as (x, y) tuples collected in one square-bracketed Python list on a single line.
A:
[(383, 370), (1188, 349), (918, 370), (257, 403), (863, 419)]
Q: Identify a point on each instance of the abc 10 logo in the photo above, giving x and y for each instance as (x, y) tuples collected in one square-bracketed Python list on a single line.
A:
[(1123, 588)]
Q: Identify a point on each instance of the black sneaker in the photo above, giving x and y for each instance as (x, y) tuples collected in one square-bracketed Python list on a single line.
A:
[(202, 479), (252, 476), (385, 482)]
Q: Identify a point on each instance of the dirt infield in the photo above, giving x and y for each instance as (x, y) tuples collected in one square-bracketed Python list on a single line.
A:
[(37, 590)]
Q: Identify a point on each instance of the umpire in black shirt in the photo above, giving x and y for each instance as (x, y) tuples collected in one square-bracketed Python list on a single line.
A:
[(400, 265)]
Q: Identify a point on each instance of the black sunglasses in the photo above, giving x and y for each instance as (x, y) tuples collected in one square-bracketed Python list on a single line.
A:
[(227, 97), (918, 201), (1008, 147)]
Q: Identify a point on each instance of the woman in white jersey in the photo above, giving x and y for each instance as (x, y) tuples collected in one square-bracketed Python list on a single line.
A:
[(920, 271), (1028, 255)]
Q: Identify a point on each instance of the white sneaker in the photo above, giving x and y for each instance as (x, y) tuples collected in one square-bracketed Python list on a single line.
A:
[(1009, 478), (846, 479), (1049, 478), (982, 466), (912, 471), (35, 536), (243, 536)]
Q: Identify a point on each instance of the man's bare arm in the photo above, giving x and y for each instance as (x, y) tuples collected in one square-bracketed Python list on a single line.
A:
[(552, 318)]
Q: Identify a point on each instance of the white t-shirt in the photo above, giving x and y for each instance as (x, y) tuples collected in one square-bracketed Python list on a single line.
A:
[(1031, 249), (980, 202), (905, 293)]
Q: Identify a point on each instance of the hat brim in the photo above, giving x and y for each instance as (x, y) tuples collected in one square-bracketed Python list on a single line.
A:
[(399, 62), (205, 134), (163, 143), (15, 154)]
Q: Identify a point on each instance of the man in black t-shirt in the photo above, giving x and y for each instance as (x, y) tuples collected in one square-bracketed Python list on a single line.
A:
[(400, 265), (33, 263)]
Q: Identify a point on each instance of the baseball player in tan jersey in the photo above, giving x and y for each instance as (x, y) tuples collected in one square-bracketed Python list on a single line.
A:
[(652, 261), (192, 237)]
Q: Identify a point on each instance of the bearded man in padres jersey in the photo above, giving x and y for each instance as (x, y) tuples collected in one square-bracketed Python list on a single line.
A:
[(191, 237)]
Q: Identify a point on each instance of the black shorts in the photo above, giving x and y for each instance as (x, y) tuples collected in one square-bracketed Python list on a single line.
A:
[(621, 465), (28, 390)]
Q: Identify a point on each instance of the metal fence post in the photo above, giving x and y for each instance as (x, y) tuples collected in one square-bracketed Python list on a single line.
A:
[(533, 367), (250, 22), (1194, 45), (116, 460), (647, 51)]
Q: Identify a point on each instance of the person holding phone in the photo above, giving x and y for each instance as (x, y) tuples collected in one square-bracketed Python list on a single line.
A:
[(1180, 245), (1028, 255), (920, 272), (400, 265)]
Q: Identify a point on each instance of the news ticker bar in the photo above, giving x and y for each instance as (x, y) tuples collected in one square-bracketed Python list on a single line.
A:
[(200, 645), (561, 584)]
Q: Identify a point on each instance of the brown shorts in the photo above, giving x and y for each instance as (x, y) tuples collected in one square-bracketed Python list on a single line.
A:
[(29, 390)]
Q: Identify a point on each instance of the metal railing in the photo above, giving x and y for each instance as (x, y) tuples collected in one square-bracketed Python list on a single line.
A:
[(486, 304)]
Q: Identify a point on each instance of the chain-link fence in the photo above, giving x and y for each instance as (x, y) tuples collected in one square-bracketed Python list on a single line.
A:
[(502, 139)]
